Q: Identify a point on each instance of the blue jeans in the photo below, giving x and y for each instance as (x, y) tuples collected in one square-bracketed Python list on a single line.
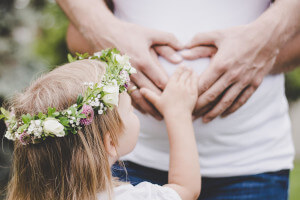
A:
[(265, 186)]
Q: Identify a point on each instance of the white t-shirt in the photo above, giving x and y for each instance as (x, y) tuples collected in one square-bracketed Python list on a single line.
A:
[(142, 191), (254, 139)]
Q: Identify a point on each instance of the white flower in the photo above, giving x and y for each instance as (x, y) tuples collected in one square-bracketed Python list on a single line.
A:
[(52, 126), (98, 54), (120, 59), (69, 112), (37, 134), (36, 122), (111, 88), (10, 136), (132, 70), (100, 112), (113, 94), (112, 99)]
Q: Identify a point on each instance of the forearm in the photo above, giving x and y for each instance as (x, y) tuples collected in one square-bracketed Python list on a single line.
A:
[(289, 56), (92, 19), (184, 167), (281, 22)]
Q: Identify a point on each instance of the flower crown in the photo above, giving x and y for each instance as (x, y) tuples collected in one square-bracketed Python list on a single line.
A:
[(98, 97)]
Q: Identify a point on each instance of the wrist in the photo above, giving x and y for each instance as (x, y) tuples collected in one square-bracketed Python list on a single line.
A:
[(177, 116), (282, 21), (100, 30)]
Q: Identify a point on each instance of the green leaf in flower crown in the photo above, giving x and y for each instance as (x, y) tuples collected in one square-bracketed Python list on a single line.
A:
[(41, 115), (64, 121), (79, 99), (70, 58), (22, 128), (81, 116), (26, 118), (2, 116), (51, 111), (5, 113), (55, 114), (73, 110)]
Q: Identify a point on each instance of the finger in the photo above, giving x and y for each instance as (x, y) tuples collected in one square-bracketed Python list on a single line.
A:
[(150, 95), (226, 101), (214, 91), (177, 73), (155, 59), (136, 106), (193, 82), (198, 52), (210, 76), (200, 111), (185, 75), (188, 79), (141, 81), (203, 111), (210, 38), (138, 98), (154, 72), (165, 38), (242, 99), (168, 53)]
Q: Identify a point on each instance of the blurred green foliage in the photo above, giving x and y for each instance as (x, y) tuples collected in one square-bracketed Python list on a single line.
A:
[(50, 43), (292, 84), (295, 182)]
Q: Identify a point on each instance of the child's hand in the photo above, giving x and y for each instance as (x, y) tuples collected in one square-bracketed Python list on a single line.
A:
[(179, 96)]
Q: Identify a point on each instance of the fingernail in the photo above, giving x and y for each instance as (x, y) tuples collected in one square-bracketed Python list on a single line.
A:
[(176, 58), (159, 118), (224, 114), (206, 120)]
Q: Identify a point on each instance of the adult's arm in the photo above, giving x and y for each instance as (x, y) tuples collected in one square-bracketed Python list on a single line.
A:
[(101, 29), (289, 57), (245, 55)]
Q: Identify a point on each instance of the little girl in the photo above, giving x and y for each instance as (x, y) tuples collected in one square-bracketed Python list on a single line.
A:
[(72, 124)]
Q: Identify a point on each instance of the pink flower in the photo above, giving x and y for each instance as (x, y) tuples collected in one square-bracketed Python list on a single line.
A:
[(24, 139), (89, 113), (126, 85)]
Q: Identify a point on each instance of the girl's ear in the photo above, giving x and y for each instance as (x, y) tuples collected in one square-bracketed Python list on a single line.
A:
[(109, 146)]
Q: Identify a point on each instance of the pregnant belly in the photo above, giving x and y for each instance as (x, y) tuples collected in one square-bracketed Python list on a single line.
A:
[(266, 103)]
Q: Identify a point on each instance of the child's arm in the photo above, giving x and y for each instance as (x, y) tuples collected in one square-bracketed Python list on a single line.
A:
[(176, 105)]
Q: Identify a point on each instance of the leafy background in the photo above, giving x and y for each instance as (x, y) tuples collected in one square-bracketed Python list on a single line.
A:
[(32, 41)]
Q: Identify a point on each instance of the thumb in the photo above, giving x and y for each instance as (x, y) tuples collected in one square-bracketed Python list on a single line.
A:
[(151, 96), (198, 52), (210, 38), (165, 38)]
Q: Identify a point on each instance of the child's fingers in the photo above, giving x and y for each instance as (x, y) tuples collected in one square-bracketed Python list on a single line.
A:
[(185, 75), (177, 73), (194, 81), (151, 96), (194, 78), (190, 80)]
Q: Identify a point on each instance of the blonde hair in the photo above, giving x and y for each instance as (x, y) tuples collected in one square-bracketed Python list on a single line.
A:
[(72, 167)]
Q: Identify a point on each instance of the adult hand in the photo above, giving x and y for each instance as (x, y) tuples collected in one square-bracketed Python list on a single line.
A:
[(245, 55), (77, 43), (138, 42)]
